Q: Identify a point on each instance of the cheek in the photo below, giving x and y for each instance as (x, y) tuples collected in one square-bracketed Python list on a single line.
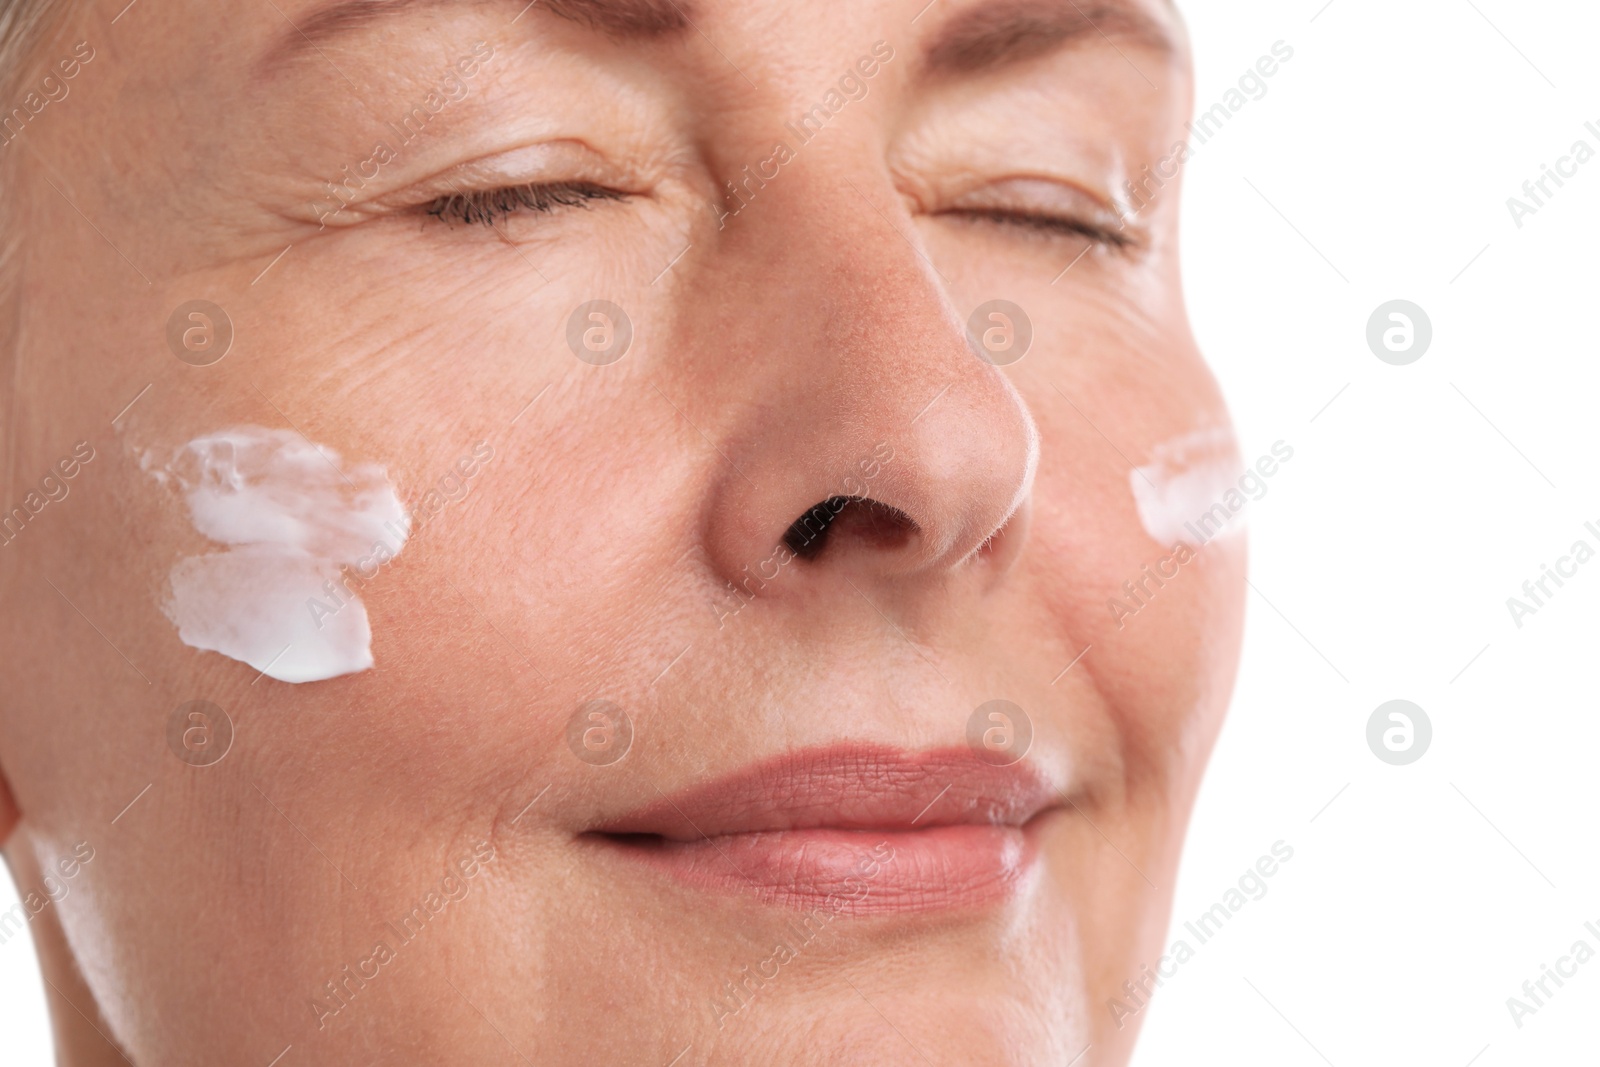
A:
[(281, 517), (1163, 650), (1188, 478)]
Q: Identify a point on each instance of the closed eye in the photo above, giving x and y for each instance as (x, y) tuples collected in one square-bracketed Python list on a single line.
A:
[(1118, 238), (485, 206)]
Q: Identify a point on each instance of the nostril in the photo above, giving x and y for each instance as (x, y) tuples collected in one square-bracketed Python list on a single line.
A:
[(807, 535), (873, 524)]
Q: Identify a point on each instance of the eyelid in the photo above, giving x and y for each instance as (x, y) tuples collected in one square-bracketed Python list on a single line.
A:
[(1044, 196), (1118, 238), (1049, 204), (552, 163)]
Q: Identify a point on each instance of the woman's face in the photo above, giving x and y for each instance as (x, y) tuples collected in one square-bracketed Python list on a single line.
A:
[(677, 738)]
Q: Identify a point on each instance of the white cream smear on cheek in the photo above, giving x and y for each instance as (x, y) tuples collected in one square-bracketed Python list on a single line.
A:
[(290, 516), (1186, 478)]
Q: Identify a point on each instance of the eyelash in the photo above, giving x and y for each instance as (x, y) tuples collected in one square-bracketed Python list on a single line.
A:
[(486, 205), (1117, 239)]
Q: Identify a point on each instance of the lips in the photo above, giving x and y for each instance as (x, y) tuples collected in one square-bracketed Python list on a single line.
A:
[(852, 829)]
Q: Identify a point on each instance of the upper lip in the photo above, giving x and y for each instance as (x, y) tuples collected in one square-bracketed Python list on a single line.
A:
[(848, 787)]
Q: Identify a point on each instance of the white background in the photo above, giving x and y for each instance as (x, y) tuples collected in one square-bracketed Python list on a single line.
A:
[(1383, 554), (1377, 167)]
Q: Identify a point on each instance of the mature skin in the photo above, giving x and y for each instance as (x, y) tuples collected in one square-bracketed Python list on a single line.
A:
[(772, 350)]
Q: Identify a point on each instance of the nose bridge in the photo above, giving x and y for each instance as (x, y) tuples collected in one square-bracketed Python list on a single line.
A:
[(853, 381), (846, 293)]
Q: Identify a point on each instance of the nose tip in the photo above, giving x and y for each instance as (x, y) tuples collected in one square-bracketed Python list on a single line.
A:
[(890, 483), (962, 472)]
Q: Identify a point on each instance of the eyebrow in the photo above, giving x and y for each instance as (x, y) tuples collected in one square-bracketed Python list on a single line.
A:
[(625, 19), (1003, 32)]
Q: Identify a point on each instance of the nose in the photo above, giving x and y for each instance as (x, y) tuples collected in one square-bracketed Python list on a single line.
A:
[(867, 429)]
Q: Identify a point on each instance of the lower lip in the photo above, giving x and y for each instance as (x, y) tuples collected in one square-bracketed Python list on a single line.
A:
[(850, 872)]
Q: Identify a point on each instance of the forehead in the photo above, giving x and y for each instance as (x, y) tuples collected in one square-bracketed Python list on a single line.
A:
[(948, 36)]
